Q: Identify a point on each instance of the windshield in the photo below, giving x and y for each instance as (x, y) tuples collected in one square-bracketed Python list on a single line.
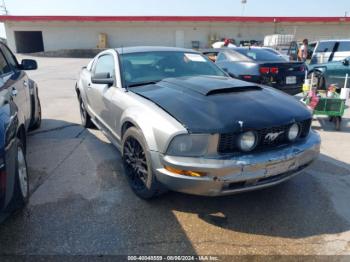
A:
[(260, 55), (146, 67)]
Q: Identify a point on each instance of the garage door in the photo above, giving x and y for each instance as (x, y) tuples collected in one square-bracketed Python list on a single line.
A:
[(29, 41)]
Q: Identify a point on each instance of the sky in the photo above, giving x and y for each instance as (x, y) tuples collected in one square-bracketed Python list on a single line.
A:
[(178, 7)]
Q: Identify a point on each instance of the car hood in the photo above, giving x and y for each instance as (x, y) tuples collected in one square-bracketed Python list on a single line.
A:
[(205, 104)]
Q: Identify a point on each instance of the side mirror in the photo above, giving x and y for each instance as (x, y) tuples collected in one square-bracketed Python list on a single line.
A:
[(28, 64), (103, 79), (346, 62)]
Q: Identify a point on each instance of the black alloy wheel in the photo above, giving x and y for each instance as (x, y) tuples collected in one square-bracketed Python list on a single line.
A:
[(135, 164), (138, 165)]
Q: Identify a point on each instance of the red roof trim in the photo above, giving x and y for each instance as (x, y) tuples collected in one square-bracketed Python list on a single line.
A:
[(257, 19)]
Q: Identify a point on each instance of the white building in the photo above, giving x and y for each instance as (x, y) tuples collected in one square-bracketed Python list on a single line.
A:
[(48, 33)]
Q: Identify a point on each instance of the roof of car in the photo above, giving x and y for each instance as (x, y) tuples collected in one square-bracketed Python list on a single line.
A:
[(334, 40), (138, 49)]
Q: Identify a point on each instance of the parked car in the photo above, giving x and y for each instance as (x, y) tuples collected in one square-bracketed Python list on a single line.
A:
[(181, 123), (19, 111), (330, 50), (331, 73), (261, 65), (274, 51)]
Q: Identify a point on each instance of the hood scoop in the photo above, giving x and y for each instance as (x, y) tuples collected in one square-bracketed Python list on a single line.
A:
[(207, 85), (232, 90)]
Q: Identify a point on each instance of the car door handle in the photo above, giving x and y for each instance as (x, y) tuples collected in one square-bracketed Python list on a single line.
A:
[(89, 84), (25, 83), (14, 91)]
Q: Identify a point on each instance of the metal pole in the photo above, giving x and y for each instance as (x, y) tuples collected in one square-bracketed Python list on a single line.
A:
[(3, 8)]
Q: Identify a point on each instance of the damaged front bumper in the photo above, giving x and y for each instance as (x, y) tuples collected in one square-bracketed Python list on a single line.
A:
[(225, 176)]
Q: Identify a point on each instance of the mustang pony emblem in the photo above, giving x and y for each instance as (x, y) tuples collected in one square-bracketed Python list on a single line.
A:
[(273, 136)]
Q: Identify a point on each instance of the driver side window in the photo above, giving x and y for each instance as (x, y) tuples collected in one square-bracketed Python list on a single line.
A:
[(105, 64)]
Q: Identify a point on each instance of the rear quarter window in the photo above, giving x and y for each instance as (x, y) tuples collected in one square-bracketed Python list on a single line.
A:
[(324, 47), (260, 55), (344, 47)]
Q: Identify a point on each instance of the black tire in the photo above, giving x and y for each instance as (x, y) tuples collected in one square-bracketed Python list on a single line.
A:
[(37, 122), (20, 196), (138, 166), (84, 115)]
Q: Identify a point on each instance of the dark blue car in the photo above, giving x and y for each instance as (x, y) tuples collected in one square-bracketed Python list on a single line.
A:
[(20, 111), (260, 65)]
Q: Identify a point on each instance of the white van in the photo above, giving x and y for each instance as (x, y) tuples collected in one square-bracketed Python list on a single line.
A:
[(330, 50)]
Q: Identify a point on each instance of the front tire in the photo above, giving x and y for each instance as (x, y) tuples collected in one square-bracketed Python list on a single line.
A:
[(138, 166), (21, 187)]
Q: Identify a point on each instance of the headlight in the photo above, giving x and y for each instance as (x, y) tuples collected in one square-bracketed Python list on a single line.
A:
[(189, 145), (247, 141), (293, 132)]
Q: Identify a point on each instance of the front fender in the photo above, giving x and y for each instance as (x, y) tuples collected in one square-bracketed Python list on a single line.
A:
[(158, 127)]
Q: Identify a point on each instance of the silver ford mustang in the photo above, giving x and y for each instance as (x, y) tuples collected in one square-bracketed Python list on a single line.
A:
[(182, 124)]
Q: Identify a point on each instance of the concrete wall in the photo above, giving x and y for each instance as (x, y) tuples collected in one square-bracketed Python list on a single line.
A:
[(84, 35)]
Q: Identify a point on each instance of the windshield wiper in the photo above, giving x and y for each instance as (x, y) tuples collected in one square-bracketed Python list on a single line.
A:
[(144, 83)]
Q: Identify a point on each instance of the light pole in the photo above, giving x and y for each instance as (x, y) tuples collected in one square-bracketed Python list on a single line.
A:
[(243, 3), (3, 8)]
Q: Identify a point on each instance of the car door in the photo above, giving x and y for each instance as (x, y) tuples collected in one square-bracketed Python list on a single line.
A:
[(19, 85), (116, 100), (337, 70), (95, 92)]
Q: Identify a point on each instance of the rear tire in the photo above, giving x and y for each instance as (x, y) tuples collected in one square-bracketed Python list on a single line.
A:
[(84, 115), (21, 187), (138, 166)]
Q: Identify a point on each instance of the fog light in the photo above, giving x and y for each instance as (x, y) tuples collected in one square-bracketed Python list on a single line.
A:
[(293, 132), (184, 172)]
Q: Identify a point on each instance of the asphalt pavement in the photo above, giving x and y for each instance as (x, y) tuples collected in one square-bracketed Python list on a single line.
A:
[(81, 204)]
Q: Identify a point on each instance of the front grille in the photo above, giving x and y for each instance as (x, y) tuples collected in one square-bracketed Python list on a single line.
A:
[(265, 142), (228, 142)]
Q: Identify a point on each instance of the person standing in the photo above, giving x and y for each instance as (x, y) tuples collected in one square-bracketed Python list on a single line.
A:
[(303, 51), (227, 42)]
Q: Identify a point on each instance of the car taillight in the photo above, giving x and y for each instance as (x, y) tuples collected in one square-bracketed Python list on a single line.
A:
[(264, 70), (247, 77), (274, 70)]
